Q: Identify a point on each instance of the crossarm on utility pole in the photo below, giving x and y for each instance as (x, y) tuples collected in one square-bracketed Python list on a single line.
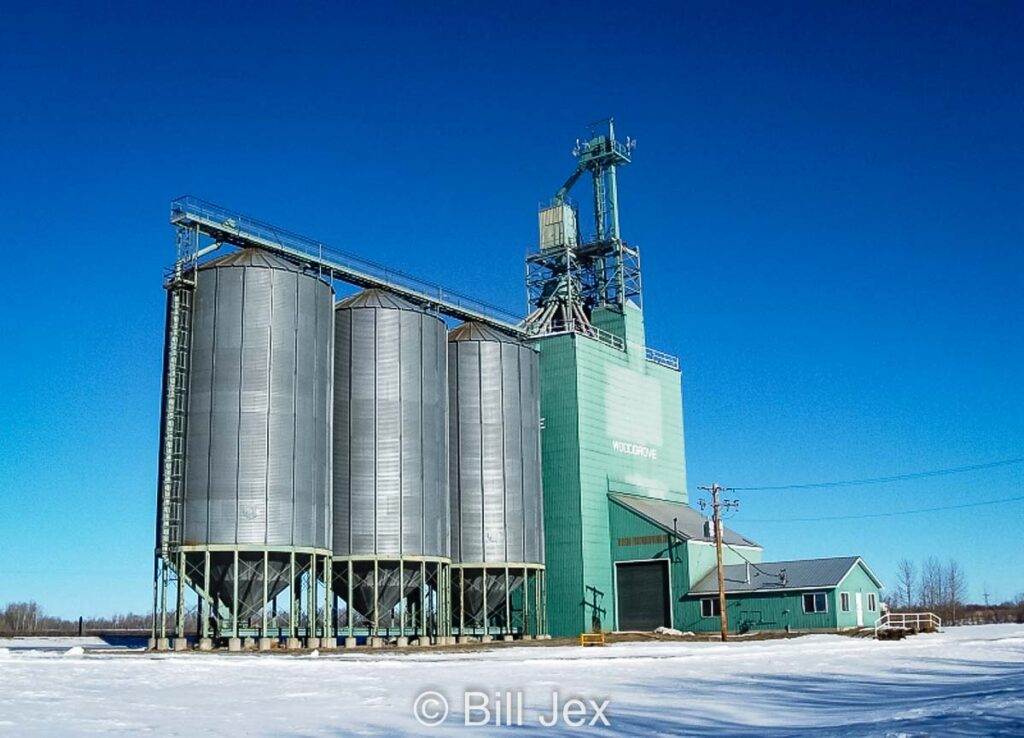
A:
[(716, 509)]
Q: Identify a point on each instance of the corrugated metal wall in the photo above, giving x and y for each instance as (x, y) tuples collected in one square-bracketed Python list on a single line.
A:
[(495, 476), (390, 419), (259, 421)]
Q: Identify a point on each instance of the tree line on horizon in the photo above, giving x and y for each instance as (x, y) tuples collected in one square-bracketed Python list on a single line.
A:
[(941, 588), (29, 618)]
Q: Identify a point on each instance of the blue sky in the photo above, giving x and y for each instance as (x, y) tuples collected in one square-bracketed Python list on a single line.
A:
[(827, 198)]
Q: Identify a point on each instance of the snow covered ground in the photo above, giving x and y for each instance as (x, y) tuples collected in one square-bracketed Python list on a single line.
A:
[(965, 681)]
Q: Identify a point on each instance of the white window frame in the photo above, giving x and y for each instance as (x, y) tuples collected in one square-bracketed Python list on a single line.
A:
[(872, 602), (815, 595), (714, 604), (844, 601)]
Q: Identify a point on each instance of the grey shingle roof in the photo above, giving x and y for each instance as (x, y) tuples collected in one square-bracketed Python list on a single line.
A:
[(676, 517), (768, 576)]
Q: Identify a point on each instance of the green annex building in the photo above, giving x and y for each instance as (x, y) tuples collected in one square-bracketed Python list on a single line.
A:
[(813, 594), (624, 550)]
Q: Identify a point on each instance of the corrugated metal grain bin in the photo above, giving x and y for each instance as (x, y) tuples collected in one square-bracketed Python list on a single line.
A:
[(259, 418), (390, 454), (495, 474), (494, 405)]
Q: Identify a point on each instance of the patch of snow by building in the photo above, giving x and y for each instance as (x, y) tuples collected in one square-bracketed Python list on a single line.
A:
[(964, 681)]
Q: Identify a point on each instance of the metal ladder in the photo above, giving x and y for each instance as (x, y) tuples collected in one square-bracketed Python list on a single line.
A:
[(172, 475)]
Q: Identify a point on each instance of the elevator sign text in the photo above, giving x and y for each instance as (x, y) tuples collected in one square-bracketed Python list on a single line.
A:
[(635, 449)]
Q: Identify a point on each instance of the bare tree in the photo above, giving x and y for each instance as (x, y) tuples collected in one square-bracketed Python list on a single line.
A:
[(932, 584), (906, 579), (21, 617), (955, 587)]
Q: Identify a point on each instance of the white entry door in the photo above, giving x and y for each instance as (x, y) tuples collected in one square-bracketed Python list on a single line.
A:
[(859, 601)]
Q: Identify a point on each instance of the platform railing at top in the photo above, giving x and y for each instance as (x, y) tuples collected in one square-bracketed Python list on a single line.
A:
[(661, 358), (917, 621), (609, 339), (580, 328), (222, 224)]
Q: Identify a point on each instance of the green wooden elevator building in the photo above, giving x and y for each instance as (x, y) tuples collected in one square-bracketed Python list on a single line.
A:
[(624, 550), (612, 425)]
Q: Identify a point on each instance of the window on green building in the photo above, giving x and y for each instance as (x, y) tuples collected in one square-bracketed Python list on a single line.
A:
[(871, 601), (710, 608), (844, 601), (816, 602)]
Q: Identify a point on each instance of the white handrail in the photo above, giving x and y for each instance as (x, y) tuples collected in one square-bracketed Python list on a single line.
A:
[(915, 621)]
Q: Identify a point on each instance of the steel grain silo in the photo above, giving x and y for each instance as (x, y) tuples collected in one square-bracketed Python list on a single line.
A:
[(257, 459), (391, 517), (495, 477)]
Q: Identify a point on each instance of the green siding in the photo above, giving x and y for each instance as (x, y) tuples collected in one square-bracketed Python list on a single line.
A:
[(702, 559), (611, 420), (685, 558), (776, 611), (560, 464), (856, 581)]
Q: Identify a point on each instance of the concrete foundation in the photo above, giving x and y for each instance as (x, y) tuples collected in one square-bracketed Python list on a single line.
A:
[(248, 643), (527, 637), (264, 644), (349, 641), (402, 642), (180, 644), (234, 644), (486, 638), (205, 644), (376, 642), (163, 644), (293, 644)]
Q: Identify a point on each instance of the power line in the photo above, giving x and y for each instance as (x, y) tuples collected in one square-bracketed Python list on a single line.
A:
[(890, 514), (888, 479), (755, 566)]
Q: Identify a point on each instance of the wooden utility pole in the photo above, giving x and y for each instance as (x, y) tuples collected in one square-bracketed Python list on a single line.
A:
[(716, 508)]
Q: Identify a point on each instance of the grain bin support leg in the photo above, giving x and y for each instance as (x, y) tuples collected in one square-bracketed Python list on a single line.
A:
[(312, 627), (462, 602), (508, 605), (348, 603), (234, 598), (266, 592), (328, 598), (526, 602), (292, 596), (163, 598), (543, 603), (179, 616), (376, 598), (448, 601), (486, 614), (211, 607), (401, 597)]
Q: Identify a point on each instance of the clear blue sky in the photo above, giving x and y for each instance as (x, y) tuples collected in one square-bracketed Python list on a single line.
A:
[(828, 198)]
